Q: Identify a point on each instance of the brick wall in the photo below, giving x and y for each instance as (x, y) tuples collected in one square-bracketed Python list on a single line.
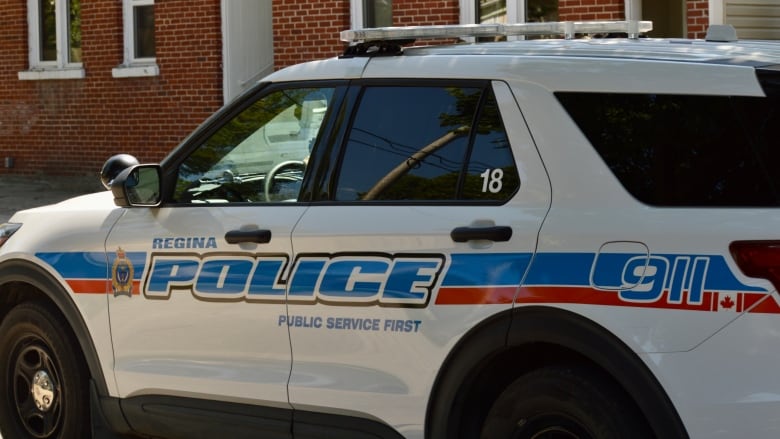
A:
[(697, 13), (425, 12), (71, 126), (576, 10), (308, 30)]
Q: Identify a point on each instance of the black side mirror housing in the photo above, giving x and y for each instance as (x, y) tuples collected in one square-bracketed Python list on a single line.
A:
[(113, 166), (137, 186)]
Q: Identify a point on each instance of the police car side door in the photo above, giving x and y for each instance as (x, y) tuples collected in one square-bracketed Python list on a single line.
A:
[(196, 305), (426, 231)]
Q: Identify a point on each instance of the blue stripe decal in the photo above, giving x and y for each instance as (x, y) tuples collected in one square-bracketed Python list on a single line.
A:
[(572, 269), (90, 265), (486, 269), (77, 265), (673, 271)]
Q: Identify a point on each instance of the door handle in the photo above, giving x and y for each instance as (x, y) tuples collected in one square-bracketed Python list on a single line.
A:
[(494, 233), (256, 236)]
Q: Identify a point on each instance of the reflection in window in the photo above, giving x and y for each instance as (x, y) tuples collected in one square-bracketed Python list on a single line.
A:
[(541, 10), (491, 172), (48, 28), (143, 19), (74, 30), (49, 12), (377, 13), (491, 11), (495, 11), (397, 151), (233, 163)]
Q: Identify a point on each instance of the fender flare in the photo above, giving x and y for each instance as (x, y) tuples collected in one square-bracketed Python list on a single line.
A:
[(17, 270), (528, 325)]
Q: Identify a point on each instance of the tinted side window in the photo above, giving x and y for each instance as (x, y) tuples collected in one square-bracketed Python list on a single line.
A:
[(491, 173), (670, 150), (411, 143)]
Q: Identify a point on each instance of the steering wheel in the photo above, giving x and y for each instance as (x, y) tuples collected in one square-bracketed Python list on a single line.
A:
[(269, 178)]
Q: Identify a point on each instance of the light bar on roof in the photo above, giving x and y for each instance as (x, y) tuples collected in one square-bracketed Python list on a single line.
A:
[(566, 28)]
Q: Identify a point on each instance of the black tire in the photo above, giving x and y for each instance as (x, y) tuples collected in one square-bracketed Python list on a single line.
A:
[(35, 347), (560, 402)]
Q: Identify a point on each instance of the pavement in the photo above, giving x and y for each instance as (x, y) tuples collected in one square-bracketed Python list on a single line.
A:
[(19, 192)]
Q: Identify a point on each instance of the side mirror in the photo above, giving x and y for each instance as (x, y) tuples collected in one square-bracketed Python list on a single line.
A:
[(137, 185), (113, 166)]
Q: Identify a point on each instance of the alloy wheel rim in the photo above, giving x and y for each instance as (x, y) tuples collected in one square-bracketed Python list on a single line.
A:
[(37, 393)]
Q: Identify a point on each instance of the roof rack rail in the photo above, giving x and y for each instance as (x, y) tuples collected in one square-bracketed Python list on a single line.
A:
[(566, 28)]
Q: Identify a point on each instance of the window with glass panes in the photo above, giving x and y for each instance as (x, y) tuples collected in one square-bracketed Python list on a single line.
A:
[(377, 13), (139, 29), (495, 11), (56, 24)]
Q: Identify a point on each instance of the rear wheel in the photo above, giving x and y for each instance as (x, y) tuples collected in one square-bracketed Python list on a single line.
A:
[(43, 383), (559, 402)]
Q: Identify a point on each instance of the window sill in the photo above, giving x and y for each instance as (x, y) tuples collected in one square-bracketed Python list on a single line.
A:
[(135, 71), (43, 74)]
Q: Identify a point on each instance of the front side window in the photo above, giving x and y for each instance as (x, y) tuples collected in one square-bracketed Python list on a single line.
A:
[(449, 145), (54, 35), (685, 150), (258, 155)]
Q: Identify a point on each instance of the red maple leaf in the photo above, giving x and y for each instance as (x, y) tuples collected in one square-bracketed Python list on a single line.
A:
[(727, 302)]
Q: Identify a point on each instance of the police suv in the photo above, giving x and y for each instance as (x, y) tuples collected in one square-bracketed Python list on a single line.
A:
[(551, 238)]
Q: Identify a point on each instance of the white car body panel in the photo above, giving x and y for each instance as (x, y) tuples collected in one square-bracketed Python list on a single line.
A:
[(181, 344)]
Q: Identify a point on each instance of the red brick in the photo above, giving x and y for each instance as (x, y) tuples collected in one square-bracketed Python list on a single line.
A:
[(72, 126)]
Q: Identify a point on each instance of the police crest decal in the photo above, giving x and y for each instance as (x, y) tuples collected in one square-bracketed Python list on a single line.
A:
[(122, 275)]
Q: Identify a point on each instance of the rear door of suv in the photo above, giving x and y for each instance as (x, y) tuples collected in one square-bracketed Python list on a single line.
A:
[(424, 227)]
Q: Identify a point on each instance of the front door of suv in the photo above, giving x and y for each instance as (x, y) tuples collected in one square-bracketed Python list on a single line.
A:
[(196, 306), (425, 230)]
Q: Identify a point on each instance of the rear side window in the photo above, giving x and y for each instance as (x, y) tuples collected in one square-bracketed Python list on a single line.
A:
[(427, 143), (670, 150)]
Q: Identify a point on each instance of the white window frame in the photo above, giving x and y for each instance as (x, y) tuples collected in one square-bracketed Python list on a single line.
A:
[(356, 12), (716, 11), (61, 68), (133, 66), (515, 11)]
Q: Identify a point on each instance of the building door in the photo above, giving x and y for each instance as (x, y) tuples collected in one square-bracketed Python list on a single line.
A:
[(247, 44), (668, 17)]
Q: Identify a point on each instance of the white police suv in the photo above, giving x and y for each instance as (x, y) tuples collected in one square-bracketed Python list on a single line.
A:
[(556, 238)]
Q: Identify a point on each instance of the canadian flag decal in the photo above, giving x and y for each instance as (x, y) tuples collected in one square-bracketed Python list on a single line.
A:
[(728, 302)]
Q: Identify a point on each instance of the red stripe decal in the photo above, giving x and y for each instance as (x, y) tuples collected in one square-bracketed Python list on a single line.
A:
[(101, 286), (475, 296), (590, 296)]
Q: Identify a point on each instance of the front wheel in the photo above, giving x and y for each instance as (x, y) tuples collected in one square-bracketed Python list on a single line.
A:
[(43, 383), (559, 402)]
